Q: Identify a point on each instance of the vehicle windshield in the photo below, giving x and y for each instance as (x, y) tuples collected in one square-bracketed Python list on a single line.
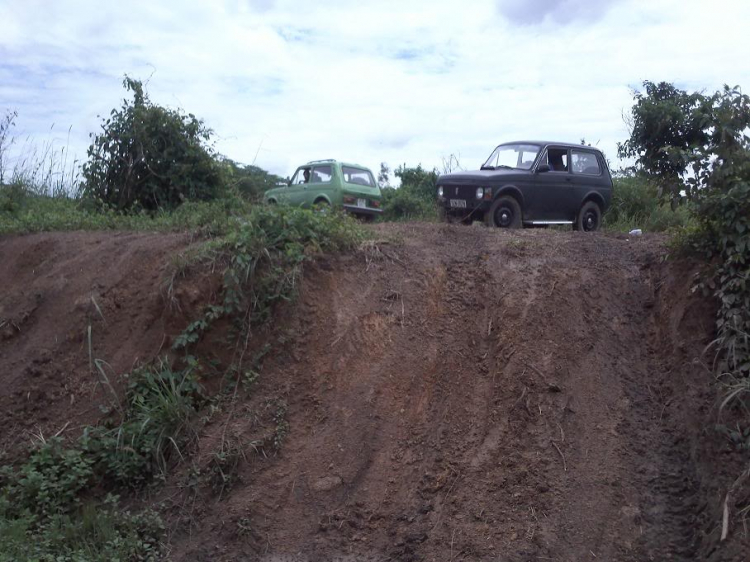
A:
[(519, 156)]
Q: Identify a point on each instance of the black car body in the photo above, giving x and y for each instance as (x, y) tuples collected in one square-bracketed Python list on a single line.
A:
[(531, 183)]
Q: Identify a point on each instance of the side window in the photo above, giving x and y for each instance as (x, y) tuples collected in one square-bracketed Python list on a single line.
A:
[(321, 174), (557, 158), (585, 163), (302, 176)]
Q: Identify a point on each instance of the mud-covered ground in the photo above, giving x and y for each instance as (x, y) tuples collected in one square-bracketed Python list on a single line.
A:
[(447, 393)]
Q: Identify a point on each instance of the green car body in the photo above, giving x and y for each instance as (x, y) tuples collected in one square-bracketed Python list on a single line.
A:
[(328, 182)]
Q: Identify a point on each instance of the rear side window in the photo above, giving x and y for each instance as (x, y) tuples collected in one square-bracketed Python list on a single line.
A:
[(585, 163), (357, 176), (321, 174)]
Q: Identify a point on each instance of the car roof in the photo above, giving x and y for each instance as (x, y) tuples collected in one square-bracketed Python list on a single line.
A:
[(553, 143), (332, 161)]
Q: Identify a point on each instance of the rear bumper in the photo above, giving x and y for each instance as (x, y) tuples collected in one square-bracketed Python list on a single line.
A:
[(354, 209)]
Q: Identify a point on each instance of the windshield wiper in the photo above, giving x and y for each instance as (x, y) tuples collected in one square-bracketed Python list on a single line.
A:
[(504, 167), (486, 167)]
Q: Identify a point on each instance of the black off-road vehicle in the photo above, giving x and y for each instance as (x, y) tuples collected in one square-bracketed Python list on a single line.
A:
[(531, 183)]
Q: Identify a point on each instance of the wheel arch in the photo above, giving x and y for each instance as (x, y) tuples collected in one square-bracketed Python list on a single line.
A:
[(596, 197), (513, 191), (322, 198)]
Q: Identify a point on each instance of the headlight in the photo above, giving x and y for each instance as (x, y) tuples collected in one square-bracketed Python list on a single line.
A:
[(480, 192), (440, 191)]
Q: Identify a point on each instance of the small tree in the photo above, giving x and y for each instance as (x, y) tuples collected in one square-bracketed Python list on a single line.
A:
[(150, 157), (384, 177), (419, 181), (698, 149), (251, 181), (6, 124)]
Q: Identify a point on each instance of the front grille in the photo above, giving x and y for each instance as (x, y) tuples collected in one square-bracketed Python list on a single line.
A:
[(467, 192)]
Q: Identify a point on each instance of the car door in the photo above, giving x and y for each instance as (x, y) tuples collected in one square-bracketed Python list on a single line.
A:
[(553, 188), (295, 193), (320, 185), (587, 173)]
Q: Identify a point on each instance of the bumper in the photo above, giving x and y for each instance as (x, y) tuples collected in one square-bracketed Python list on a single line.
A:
[(362, 210)]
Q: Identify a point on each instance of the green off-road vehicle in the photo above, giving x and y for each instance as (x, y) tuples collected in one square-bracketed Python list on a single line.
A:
[(328, 183)]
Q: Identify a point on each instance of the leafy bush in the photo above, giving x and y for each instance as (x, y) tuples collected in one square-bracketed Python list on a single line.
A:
[(49, 482), (415, 198), (419, 181), (150, 157), (636, 204), (403, 204), (42, 515)]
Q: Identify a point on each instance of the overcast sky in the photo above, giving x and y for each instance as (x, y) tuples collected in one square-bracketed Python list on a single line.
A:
[(385, 81)]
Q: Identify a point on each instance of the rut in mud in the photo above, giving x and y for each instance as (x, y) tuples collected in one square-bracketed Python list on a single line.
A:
[(447, 393)]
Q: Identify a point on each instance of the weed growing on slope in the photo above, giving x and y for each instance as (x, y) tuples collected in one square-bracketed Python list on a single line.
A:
[(47, 509), (160, 404), (262, 260)]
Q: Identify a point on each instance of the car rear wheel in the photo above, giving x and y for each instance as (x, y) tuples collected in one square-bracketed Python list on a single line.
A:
[(504, 213), (322, 207), (589, 218)]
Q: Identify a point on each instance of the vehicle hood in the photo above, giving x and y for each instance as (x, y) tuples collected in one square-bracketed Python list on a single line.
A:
[(482, 177)]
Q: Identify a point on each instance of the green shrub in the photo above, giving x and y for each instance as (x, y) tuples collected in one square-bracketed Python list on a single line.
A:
[(403, 204), (415, 199), (49, 482), (43, 516), (150, 157)]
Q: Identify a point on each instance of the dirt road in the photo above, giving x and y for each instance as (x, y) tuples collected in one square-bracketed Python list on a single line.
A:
[(448, 393)]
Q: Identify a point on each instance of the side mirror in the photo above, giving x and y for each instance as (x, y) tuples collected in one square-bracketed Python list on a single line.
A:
[(542, 168)]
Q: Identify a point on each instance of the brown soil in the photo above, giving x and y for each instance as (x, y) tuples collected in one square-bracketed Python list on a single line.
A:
[(457, 393), (56, 290)]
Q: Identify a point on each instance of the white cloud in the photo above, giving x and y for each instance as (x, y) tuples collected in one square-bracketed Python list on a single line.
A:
[(401, 82)]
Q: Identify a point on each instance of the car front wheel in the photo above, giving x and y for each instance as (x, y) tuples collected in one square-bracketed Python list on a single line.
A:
[(589, 218), (504, 213)]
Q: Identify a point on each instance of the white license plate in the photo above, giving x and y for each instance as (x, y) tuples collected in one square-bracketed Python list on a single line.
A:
[(361, 202), (458, 203)]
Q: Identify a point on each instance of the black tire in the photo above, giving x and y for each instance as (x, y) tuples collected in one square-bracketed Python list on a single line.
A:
[(589, 217), (505, 212), (272, 202)]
